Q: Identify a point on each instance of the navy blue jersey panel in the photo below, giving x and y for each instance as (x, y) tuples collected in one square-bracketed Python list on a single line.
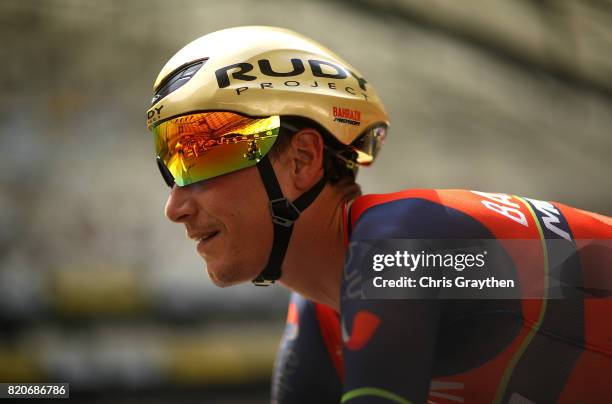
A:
[(418, 219), (303, 371), (399, 345)]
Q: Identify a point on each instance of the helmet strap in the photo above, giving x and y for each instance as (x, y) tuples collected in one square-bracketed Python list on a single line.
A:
[(284, 213)]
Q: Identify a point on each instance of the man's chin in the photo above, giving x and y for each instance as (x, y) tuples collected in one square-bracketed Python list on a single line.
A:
[(225, 277)]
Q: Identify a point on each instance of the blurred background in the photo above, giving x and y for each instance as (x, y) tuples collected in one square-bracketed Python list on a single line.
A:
[(99, 290)]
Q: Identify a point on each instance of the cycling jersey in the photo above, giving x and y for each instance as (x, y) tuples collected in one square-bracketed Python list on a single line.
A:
[(453, 351)]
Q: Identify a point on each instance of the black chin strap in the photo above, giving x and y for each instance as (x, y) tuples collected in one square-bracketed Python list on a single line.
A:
[(284, 213)]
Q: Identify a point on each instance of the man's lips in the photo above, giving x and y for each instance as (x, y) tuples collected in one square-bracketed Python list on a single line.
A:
[(203, 236)]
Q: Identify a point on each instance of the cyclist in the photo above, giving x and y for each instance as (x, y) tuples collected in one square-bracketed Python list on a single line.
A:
[(259, 132)]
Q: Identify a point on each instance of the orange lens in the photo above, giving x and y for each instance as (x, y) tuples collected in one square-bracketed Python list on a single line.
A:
[(204, 145)]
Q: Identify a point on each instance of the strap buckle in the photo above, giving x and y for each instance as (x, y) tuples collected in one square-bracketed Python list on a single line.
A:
[(283, 212), (261, 281)]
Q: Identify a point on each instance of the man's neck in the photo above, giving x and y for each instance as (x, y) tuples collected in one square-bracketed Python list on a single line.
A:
[(315, 257)]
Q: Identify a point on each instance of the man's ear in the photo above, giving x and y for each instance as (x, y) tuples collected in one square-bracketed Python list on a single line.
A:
[(307, 158)]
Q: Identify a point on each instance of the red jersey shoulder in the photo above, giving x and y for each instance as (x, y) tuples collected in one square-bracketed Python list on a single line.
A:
[(505, 215)]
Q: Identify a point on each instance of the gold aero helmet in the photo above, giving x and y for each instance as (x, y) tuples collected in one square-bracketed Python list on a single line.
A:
[(256, 72), (220, 101)]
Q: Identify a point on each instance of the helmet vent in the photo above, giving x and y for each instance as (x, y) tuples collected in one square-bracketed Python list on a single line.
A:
[(177, 79)]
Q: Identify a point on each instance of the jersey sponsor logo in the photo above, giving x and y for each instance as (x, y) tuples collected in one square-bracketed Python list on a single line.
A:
[(347, 115), (548, 213), (351, 288), (287, 364), (365, 325), (503, 204), (550, 216)]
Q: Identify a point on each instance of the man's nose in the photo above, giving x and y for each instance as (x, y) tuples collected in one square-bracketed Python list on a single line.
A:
[(180, 205)]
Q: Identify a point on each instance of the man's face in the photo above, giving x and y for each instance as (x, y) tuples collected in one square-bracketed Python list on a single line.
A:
[(229, 218)]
